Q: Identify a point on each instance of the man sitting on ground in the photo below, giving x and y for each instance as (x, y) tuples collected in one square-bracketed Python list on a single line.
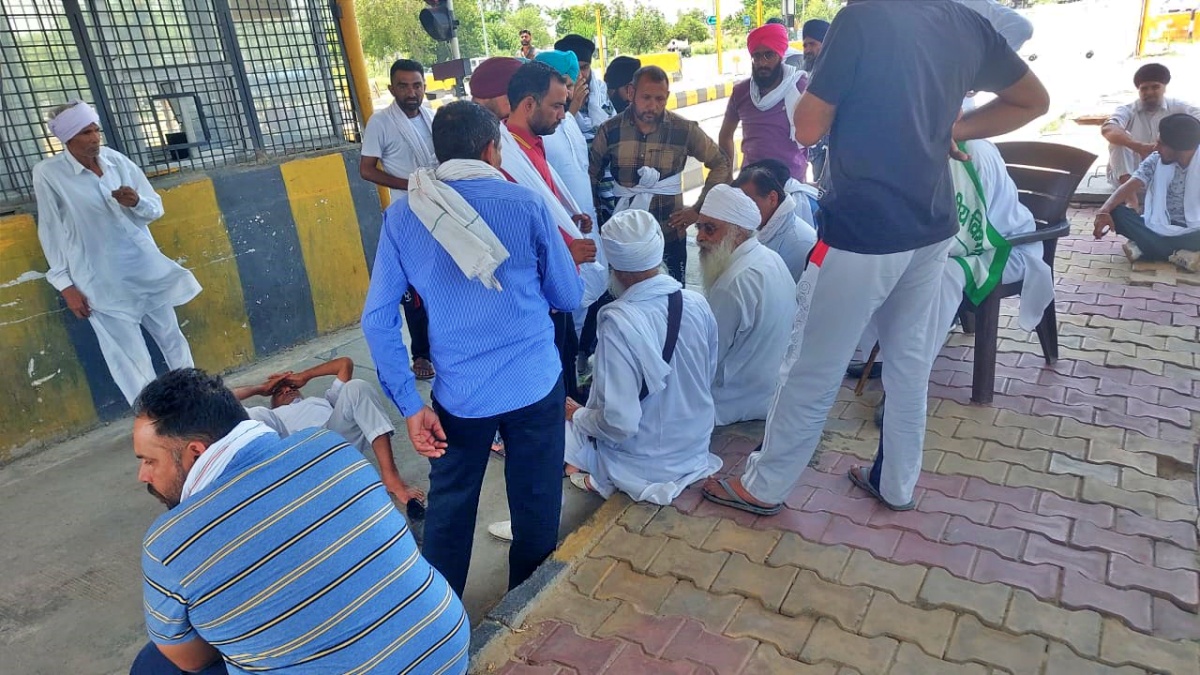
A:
[(1133, 128), (281, 555), (646, 427), (753, 296), (348, 408), (781, 230), (1170, 227)]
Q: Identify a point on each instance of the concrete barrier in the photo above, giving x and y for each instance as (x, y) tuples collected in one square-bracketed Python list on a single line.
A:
[(671, 62), (283, 252)]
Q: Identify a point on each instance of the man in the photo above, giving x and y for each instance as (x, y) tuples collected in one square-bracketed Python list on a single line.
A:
[(646, 427), (780, 228), (280, 555), (488, 256), (348, 408), (94, 211), (590, 104), (1170, 227), (753, 296), (765, 105), (902, 70), (793, 57), (1133, 128), (538, 96), (618, 78), (813, 32), (398, 140), (527, 50), (489, 84), (647, 149)]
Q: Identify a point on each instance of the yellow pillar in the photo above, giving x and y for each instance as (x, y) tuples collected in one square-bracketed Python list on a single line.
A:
[(717, 12), (758, 12), (358, 73), (1143, 28), (599, 40)]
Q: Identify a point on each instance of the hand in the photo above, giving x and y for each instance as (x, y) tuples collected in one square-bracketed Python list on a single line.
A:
[(957, 154), (267, 388), (425, 432), (583, 221), (76, 302), (126, 196), (684, 218), (579, 96), (572, 407), (1144, 150), (583, 251), (1104, 224)]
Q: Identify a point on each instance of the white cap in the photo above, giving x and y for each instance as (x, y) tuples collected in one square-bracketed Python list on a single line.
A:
[(730, 205), (632, 241)]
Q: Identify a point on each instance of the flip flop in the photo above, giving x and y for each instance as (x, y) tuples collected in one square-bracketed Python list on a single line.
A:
[(423, 369), (580, 480), (855, 474), (732, 500)]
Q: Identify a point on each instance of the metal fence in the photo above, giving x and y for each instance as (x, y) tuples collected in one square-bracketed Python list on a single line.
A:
[(178, 84)]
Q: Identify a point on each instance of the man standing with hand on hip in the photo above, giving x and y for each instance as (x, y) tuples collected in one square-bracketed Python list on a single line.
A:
[(95, 207), (900, 69)]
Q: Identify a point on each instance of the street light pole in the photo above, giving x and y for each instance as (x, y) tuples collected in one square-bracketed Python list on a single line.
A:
[(454, 53), (717, 12)]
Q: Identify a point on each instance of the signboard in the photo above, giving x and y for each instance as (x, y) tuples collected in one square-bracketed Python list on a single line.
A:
[(712, 20), (746, 20)]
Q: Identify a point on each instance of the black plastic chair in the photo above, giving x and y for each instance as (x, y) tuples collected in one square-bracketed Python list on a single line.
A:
[(1047, 175)]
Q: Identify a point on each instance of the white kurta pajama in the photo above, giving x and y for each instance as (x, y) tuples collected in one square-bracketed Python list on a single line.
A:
[(790, 236), (106, 251), (567, 153), (1142, 125), (654, 448), (349, 409), (754, 302)]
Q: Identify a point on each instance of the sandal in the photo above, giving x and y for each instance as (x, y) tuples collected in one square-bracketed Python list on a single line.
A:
[(423, 368), (855, 474), (733, 500), (580, 480)]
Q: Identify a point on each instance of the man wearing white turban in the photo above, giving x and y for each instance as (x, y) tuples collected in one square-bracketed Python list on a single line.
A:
[(94, 211), (646, 427), (753, 296)]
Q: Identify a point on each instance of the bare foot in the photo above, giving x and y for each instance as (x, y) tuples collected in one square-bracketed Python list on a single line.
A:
[(568, 469)]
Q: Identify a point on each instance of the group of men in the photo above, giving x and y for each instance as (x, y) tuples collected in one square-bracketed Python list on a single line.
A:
[(544, 222)]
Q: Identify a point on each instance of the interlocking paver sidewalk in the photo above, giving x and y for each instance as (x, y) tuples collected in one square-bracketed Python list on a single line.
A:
[(1055, 531)]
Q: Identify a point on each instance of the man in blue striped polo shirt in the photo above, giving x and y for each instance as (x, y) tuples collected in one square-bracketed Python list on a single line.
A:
[(490, 263), (281, 555)]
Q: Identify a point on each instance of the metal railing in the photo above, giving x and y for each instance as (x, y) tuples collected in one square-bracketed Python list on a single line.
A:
[(178, 84)]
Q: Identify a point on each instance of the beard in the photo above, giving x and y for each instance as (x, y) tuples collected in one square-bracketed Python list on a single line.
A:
[(615, 287), (619, 104), (409, 105), (649, 117), (809, 62), (173, 493), (715, 261), (542, 126), (769, 78)]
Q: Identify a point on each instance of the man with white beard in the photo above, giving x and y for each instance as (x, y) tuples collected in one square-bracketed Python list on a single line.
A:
[(753, 296), (646, 427), (782, 229)]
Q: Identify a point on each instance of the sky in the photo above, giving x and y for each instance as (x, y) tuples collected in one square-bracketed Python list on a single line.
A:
[(670, 8)]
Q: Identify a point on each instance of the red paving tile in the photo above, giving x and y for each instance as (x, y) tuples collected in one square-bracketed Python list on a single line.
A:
[(724, 654), (1101, 515), (977, 511), (843, 531), (928, 525), (808, 525), (1041, 580), (1132, 607), (1007, 543), (914, 548), (1146, 426), (633, 662), (1173, 623), (951, 486), (1083, 414), (1022, 498), (564, 646), (856, 508), (1091, 564), (1086, 535), (1180, 586), (1177, 416), (1179, 533)]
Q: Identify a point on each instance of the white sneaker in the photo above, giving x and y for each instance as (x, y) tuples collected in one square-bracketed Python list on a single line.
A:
[(1188, 260), (1131, 250), (501, 530)]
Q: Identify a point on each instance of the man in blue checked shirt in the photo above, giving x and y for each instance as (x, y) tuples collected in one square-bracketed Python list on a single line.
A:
[(490, 272)]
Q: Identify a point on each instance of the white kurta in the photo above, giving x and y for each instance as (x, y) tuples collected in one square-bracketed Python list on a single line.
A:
[(754, 302), (654, 448), (389, 137), (100, 247), (350, 409), (789, 236)]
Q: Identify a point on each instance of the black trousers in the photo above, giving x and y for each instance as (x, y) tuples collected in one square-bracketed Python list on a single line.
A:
[(675, 257), (568, 347), (417, 320)]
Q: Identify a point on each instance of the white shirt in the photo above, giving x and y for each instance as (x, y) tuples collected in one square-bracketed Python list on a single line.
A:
[(383, 139), (788, 235), (307, 413), (754, 302), (1143, 124), (567, 152), (597, 109), (652, 449), (102, 248), (1014, 28)]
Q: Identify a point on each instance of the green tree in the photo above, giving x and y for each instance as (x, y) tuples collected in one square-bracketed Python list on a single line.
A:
[(646, 31), (581, 19), (691, 26), (505, 34), (390, 28)]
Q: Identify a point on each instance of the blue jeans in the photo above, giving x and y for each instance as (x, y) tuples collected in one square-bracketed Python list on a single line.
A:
[(534, 438), (150, 661)]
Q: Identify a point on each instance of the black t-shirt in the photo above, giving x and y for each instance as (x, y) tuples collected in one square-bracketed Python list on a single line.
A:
[(897, 72)]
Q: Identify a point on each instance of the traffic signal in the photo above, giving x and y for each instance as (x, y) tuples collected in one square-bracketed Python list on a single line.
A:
[(438, 21)]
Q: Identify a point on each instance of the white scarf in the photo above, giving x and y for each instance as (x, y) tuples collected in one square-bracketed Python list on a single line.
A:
[(453, 222), (212, 462), (647, 350), (421, 149), (1157, 218), (598, 108), (780, 220), (649, 183), (785, 91), (517, 164)]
